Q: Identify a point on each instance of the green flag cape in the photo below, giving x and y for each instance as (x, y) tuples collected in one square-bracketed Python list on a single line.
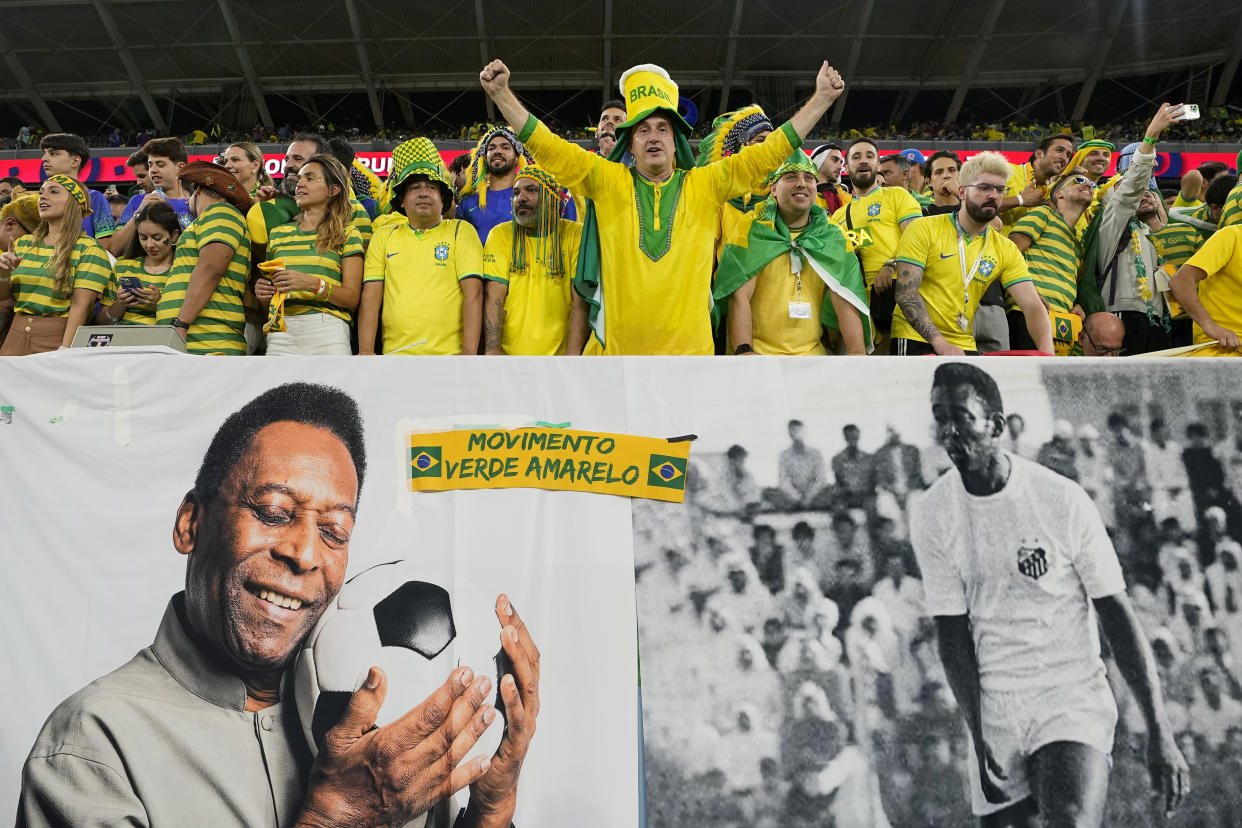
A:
[(587, 278), (761, 236)]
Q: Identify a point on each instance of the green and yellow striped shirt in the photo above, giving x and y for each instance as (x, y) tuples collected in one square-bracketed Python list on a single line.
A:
[(360, 220), (1231, 212), (1054, 256), (34, 286), (1177, 241), (135, 314), (220, 326), (297, 248)]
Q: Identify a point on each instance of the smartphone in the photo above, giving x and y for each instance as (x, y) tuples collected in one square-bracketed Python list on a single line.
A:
[(1190, 112), (131, 283)]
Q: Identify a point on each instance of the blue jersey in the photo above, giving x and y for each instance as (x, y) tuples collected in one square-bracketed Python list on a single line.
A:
[(180, 206), (99, 224), (499, 210)]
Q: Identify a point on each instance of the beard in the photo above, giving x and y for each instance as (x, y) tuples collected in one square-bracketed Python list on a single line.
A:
[(289, 185), (982, 213), (499, 167), (863, 179), (529, 221)]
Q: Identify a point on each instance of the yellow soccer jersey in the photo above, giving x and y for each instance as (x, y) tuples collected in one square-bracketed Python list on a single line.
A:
[(1180, 202), (420, 270), (1221, 291), (538, 304), (931, 243), (1021, 176), (656, 303), (880, 213)]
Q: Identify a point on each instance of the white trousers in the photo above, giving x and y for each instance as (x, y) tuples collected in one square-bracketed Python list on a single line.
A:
[(311, 333)]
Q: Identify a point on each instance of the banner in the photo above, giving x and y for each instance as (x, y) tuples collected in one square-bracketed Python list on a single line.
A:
[(543, 458), (108, 169), (790, 669), (99, 452)]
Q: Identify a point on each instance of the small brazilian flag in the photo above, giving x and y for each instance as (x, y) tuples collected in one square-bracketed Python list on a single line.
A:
[(667, 472), (424, 461)]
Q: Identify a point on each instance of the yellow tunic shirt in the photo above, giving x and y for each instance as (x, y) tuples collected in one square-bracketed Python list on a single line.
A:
[(420, 270), (1221, 291), (880, 213), (931, 243), (538, 305), (656, 305)]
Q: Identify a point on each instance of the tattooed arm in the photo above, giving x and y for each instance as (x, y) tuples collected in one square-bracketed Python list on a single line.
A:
[(909, 277), (493, 316)]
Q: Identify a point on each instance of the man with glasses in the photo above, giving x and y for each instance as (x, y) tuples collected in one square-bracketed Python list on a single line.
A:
[(1102, 335), (946, 262), (1053, 251)]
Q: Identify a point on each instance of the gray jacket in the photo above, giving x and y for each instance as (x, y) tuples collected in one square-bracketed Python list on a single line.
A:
[(1120, 290)]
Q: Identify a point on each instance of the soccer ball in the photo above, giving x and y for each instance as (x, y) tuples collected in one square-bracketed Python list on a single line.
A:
[(385, 616)]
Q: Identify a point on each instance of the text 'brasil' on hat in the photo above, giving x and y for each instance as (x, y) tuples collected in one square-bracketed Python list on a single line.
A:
[(647, 88)]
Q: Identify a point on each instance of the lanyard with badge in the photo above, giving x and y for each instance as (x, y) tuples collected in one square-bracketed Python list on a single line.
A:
[(962, 321), (797, 308)]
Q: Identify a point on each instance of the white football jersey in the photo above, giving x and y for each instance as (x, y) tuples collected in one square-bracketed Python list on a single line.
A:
[(1023, 564)]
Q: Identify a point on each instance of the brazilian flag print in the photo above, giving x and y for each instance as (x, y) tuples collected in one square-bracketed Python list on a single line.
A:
[(425, 461), (667, 472)]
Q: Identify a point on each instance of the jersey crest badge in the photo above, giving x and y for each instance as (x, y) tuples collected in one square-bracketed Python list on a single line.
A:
[(1032, 561), (442, 251), (874, 209), (986, 266)]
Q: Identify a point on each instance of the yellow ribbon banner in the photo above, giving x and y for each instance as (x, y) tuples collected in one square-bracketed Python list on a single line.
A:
[(549, 458)]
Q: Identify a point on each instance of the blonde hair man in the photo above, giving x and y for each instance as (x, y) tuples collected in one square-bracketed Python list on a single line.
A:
[(946, 262)]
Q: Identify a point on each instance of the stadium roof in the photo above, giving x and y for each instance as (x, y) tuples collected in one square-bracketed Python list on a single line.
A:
[(229, 60)]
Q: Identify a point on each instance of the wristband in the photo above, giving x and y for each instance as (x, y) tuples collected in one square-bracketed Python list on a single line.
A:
[(1151, 141), (323, 286), (744, 348), (1021, 203), (181, 323)]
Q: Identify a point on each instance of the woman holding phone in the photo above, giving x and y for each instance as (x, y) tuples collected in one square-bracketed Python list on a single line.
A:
[(55, 274), (316, 266), (137, 280)]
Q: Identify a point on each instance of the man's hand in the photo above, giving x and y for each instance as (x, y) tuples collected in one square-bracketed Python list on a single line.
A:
[(1163, 119), (944, 347), (266, 193), (989, 767), (495, 78), (494, 796), (1033, 196), (1224, 337), (1170, 775), (883, 278), (828, 83), (365, 777)]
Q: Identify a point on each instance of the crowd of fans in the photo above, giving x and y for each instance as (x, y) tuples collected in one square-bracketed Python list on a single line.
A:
[(796, 610), (1220, 124), (531, 245)]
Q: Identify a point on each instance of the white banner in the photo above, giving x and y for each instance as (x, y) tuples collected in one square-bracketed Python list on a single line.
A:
[(97, 450)]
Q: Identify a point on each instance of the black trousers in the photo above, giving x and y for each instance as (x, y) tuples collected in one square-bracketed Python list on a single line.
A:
[(1142, 337)]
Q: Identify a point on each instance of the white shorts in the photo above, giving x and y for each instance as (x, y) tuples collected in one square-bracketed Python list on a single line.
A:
[(1016, 724)]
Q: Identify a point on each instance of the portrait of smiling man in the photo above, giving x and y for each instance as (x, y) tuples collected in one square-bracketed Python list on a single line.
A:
[(194, 729)]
